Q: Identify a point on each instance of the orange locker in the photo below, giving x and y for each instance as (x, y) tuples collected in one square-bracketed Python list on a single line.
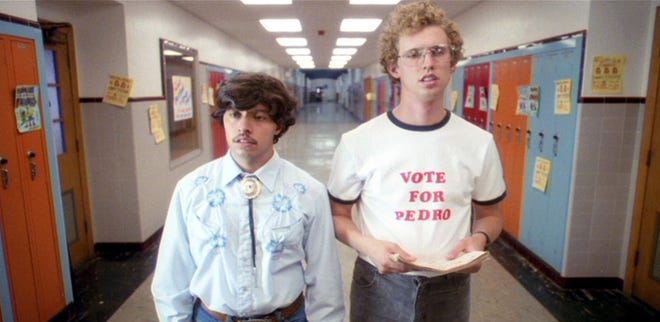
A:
[(510, 133), (27, 211)]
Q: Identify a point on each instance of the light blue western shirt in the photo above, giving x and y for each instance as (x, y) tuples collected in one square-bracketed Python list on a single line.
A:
[(206, 247)]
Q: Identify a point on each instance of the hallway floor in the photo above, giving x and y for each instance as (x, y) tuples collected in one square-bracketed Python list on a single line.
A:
[(508, 288)]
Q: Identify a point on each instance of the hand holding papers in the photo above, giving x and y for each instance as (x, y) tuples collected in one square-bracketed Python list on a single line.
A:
[(445, 266)]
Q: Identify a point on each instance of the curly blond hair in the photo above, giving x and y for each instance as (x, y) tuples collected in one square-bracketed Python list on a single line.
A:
[(411, 18)]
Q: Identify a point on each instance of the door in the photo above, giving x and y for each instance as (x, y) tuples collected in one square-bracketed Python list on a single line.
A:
[(27, 213), (646, 283), (67, 129)]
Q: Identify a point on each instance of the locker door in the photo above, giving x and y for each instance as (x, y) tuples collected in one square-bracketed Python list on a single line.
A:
[(26, 205), (546, 213), (477, 81), (219, 141), (510, 133)]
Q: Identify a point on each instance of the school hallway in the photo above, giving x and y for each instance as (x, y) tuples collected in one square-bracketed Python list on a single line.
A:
[(508, 288)]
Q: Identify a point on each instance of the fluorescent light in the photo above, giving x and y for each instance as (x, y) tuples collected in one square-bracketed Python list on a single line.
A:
[(344, 51), (359, 25), (169, 52), (281, 25), (188, 58), (336, 65), (300, 58), (265, 2), (344, 42), (291, 42), (298, 51), (376, 2), (307, 65), (341, 58)]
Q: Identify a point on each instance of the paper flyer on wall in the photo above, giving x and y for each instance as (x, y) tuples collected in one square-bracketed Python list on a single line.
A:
[(563, 91), (608, 74), (28, 114), (118, 91), (542, 168)]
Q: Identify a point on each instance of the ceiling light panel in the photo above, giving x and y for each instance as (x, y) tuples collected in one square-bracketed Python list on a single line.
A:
[(267, 2), (298, 51), (340, 58), (359, 25), (344, 51), (350, 42), (300, 58), (374, 2), (281, 25), (291, 42)]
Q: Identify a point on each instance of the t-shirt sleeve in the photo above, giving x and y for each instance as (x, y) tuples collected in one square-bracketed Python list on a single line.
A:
[(490, 187), (344, 184)]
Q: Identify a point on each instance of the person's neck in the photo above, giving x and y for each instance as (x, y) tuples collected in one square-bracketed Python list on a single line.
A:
[(420, 113)]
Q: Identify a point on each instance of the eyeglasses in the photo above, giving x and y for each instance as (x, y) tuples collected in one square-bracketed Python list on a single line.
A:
[(415, 56)]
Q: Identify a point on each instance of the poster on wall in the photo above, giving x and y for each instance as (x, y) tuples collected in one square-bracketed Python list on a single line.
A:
[(494, 96), (182, 99), (528, 100), (542, 169), (118, 91), (454, 100), (563, 93), (28, 115), (483, 99), (156, 124), (608, 74), (469, 97)]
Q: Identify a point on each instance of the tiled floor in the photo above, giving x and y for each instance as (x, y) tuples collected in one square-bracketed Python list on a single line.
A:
[(507, 289)]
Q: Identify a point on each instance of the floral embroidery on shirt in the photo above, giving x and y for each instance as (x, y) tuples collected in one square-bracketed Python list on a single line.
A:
[(201, 180), (218, 241), (275, 246), (300, 187), (216, 198), (282, 203)]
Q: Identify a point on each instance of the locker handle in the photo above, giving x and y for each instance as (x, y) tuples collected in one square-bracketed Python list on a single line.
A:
[(4, 173), (541, 141), (490, 126), (529, 138), (508, 132), (518, 135), (33, 165), (555, 145), (499, 130)]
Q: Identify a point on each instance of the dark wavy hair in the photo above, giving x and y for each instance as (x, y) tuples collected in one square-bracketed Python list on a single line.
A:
[(247, 90), (408, 19)]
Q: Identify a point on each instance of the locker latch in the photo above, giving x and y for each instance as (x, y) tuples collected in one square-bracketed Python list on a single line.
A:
[(33, 165), (4, 173)]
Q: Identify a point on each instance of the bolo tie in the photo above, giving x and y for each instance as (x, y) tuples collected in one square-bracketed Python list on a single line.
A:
[(251, 188)]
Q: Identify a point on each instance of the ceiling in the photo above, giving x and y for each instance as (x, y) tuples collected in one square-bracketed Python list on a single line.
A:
[(320, 21)]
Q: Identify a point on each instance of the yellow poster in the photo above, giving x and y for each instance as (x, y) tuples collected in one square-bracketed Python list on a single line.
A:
[(608, 74), (563, 93), (454, 100), (494, 96), (118, 91), (542, 169), (156, 124)]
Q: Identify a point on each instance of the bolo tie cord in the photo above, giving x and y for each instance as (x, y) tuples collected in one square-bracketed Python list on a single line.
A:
[(252, 237)]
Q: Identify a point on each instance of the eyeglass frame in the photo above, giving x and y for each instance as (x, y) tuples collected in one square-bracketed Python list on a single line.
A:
[(422, 52)]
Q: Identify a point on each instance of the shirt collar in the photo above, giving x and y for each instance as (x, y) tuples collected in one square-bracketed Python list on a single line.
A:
[(267, 174)]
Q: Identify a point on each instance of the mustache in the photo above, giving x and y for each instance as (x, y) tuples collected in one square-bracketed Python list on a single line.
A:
[(243, 137)]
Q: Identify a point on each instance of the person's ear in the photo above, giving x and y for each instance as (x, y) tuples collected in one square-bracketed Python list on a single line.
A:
[(393, 70)]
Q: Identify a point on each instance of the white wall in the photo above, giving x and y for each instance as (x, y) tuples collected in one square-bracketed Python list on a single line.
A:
[(130, 177), (25, 9)]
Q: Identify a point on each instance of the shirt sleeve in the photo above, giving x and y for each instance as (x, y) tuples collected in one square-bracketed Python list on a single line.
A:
[(490, 187), (174, 266), (325, 294), (344, 183)]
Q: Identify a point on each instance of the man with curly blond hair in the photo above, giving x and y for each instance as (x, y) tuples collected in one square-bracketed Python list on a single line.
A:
[(416, 182)]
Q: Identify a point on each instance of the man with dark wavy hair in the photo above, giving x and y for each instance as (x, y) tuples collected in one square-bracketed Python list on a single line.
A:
[(249, 236), (416, 182)]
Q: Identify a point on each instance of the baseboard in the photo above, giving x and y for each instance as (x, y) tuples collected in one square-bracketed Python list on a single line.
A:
[(110, 249), (551, 273)]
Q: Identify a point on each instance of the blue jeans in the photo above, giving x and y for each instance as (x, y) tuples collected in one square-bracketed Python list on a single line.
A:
[(201, 315), (399, 297)]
